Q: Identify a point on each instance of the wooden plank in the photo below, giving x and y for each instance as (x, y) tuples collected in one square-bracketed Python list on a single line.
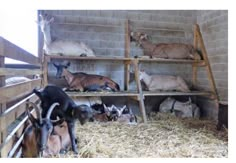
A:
[(127, 55), (12, 113), (45, 70), (193, 93), (14, 52), (2, 78), (17, 53), (208, 67), (164, 61), (8, 142), (103, 94), (141, 97), (194, 65), (23, 72), (96, 58), (12, 92)]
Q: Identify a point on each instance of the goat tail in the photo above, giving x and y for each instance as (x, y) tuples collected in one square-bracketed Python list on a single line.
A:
[(113, 86)]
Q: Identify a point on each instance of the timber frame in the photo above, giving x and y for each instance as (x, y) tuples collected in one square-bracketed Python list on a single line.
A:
[(139, 95)]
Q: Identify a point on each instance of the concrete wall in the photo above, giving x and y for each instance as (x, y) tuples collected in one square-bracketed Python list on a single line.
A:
[(104, 32), (214, 28)]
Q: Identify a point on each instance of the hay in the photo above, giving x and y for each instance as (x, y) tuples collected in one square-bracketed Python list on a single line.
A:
[(163, 136)]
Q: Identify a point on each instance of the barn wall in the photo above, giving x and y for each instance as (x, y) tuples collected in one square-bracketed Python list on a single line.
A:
[(104, 32), (214, 28)]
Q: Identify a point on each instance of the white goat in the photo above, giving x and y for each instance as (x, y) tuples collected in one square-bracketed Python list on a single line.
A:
[(17, 79), (61, 47), (163, 82), (180, 109)]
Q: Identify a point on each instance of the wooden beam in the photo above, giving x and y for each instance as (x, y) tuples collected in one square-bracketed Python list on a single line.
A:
[(45, 70), (23, 72), (194, 65), (12, 51), (208, 67), (140, 91), (127, 55), (12, 92)]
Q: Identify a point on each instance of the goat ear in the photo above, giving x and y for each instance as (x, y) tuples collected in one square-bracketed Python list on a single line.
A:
[(33, 120), (51, 20)]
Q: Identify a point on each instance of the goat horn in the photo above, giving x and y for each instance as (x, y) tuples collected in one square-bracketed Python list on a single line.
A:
[(51, 109), (36, 109)]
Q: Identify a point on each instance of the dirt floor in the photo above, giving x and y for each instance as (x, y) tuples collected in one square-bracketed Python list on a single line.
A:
[(163, 136)]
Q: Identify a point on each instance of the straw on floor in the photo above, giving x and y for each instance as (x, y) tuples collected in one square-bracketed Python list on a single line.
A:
[(163, 136)]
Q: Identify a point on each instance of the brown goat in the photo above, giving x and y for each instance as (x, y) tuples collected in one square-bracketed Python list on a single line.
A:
[(85, 82), (164, 50), (40, 130)]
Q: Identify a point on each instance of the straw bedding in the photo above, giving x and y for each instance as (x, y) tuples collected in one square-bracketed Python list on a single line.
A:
[(163, 136)]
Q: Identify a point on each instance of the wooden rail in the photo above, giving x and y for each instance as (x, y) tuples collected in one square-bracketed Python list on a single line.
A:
[(13, 97)]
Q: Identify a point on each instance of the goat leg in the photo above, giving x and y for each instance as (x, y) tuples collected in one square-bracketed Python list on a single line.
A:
[(71, 129)]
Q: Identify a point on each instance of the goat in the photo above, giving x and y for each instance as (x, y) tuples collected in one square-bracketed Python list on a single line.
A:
[(180, 109), (17, 79), (67, 109), (164, 50), (85, 82), (61, 47), (163, 82), (119, 114), (38, 140)]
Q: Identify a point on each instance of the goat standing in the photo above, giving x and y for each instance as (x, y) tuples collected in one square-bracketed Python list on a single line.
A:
[(61, 47), (67, 109)]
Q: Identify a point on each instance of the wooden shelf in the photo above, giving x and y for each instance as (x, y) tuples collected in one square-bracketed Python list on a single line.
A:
[(193, 93), (104, 94), (96, 58), (162, 60), (102, 58)]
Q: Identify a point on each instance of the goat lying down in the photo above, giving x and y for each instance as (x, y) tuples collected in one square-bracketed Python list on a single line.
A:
[(163, 82), (61, 47), (66, 110), (40, 139), (164, 50), (180, 109), (85, 82), (114, 113)]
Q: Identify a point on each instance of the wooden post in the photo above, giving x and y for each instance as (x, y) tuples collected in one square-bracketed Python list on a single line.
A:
[(194, 65), (208, 67), (127, 55), (45, 70), (140, 91)]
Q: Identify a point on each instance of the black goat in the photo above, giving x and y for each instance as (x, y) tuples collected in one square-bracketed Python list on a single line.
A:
[(66, 110)]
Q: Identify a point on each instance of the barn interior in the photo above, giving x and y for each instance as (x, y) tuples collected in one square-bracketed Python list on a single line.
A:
[(107, 33)]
